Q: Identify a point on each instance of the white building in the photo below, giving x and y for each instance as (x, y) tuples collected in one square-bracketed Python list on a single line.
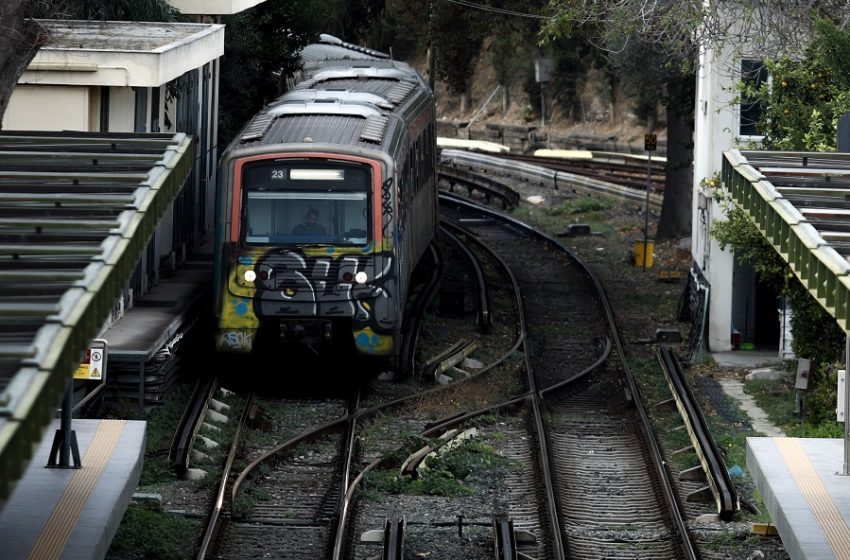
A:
[(133, 77), (741, 309)]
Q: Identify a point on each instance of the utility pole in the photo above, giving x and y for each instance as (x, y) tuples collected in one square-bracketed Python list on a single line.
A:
[(650, 143), (543, 69), (432, 54)]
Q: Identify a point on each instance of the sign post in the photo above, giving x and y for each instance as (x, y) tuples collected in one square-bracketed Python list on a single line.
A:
[(649, 144), (65, 453), (801, 385)]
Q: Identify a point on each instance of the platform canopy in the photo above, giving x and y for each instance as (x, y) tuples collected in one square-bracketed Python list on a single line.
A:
[(800, 201), (76, 212)]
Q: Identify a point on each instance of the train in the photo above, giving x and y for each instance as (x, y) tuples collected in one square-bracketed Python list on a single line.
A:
[(326, 202)]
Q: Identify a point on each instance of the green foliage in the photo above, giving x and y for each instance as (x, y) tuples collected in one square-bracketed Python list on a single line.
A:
[(740, 234), (261, 47), (467, 458), (821, 398), (580, 206), (573, 55), (458, 33), (443, 475), (729, 542), (173, 538), (807, 96), (159, 433), (808, 429), (803, 103), (405, 26), (777, 399), (353, 20), (112, 10), (816, 333)]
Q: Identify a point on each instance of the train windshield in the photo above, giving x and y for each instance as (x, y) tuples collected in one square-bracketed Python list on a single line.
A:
[(306, 202)]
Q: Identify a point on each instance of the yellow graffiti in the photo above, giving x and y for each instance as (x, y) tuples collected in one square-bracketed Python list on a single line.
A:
[(368, 342), (237, 311)]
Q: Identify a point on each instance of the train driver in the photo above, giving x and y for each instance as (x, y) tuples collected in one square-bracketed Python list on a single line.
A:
[(311, 225)]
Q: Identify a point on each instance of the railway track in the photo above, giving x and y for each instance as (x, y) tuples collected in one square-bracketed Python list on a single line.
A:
[(488, 166), (611, 497), (284, 503), (626, 172)]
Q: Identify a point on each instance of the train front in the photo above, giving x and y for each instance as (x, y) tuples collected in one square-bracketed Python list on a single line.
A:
[(305, 254)]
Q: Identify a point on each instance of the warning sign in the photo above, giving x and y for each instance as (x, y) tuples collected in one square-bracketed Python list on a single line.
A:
[(91, 368)]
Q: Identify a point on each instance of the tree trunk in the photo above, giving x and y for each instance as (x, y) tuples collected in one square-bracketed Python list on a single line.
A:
[(20, 39), (675, 221), (506, 97)]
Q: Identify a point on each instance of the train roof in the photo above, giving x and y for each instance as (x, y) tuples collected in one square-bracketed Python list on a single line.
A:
[(332, 48), (344, 102)]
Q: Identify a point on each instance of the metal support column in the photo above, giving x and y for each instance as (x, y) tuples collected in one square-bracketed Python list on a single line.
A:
[(846, 407), (65, 439)]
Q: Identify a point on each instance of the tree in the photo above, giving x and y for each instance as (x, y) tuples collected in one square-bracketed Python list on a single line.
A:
[(103, 10), (262, 46), (674, 31), (802, 104), (807, 96), (20, 39), (457, 35)]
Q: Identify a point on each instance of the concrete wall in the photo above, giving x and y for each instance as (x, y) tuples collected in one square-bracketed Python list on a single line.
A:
[(49, 108), (717, 119)]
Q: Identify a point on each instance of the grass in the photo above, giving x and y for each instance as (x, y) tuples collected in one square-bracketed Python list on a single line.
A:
[(776, 398), (731, 543), (173, 538), (160, 432), (443, 475)]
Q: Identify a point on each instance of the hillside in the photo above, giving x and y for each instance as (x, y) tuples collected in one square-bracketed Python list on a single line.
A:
[(601, 118)]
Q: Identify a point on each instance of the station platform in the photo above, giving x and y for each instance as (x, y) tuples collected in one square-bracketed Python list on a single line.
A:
[(142, 343), (73, 514), (803, 489), (154, 319)]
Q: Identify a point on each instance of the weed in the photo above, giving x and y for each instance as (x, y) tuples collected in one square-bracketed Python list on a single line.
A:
[(442, 476), (173, 538)]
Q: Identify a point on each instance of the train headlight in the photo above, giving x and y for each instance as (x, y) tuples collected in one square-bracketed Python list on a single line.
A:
[(360, 277), (250, 275)]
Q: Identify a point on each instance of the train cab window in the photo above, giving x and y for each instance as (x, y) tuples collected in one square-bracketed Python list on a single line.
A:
[(303, 203)]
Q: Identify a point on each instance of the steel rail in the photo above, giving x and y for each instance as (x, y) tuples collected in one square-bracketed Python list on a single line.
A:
[(717, 476), (545, 457), (658, 462), (472, 181), (393, 542), (551, 178), (345, 498), (482, 291), (504, 539), (212, 524)]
